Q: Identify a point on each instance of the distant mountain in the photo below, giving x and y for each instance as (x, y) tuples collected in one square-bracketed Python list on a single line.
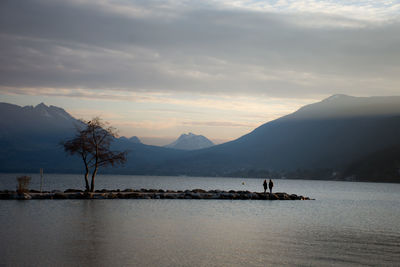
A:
[(133, 139), (191, 141)]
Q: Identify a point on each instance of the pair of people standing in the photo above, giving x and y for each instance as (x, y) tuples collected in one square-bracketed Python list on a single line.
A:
[(266, 185)]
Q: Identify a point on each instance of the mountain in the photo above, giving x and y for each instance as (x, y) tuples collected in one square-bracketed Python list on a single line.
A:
[(30, 139), (382, 165), (133, 139), (191, 141), (330, 134), (28, 127), (341, 137)]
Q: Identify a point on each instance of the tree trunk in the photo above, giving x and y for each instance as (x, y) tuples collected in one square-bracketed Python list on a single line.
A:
[(86, 180), (86, 173), (93, 176)]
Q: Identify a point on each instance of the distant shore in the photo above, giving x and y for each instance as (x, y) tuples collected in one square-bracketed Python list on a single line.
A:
[(149, 194)]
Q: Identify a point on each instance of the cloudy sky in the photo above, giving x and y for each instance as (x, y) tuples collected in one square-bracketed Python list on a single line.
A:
[(156, 69)]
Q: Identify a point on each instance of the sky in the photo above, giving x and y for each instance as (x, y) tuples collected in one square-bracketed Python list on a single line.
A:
[(157, 69)]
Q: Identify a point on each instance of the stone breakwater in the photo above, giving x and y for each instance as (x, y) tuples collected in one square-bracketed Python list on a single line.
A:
[(150, 194)]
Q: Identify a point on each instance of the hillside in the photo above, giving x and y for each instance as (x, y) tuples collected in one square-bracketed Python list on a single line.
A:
[(326, 135)]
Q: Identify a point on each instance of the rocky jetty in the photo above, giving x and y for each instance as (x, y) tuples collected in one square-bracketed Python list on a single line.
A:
[(150, 194)]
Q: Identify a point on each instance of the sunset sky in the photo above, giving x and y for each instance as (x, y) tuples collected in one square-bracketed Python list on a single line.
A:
[(157, 69)]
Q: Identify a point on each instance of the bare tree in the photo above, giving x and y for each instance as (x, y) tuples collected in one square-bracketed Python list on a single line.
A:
[(92, 144)]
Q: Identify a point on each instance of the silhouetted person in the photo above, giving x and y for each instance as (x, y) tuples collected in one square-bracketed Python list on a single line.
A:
[(270, 184), (265, 186)]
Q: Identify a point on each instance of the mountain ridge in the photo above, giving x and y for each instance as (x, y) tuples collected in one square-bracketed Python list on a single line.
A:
[(330, 135)]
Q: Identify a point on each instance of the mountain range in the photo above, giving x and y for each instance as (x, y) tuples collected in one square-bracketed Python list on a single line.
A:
[(341, 137)]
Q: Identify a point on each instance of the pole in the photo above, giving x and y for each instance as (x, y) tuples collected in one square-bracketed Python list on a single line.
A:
[(41, 179)]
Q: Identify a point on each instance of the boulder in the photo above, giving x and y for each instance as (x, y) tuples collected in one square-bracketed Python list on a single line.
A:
[(24, 196), (112, 195), (283, 196), (128, 190), (199, 191), (273, 197)]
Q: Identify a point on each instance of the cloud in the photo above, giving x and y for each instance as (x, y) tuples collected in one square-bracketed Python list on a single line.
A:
[(281, 49)]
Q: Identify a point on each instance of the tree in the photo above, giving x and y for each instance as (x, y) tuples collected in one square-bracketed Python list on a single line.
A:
[(92, 143)]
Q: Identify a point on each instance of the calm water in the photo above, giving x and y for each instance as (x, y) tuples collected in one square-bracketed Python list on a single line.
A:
[(349, 224)]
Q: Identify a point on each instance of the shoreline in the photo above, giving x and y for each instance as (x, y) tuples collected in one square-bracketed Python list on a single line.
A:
[(149, 194)]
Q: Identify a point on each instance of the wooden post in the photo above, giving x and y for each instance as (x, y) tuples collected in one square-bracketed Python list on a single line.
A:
[(41, 179)]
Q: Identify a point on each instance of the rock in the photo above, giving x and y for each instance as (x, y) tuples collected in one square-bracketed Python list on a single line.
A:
[(128, 190), (254, 196), (24, 196), (34, 191), (60, 195), (283, 196), (72, 190), (101, 196), (7, 195), (215, 196), (152, 194), (273, 197), (133, 195), (77, 195), (40, 196), (199, 191), (197, 196), (112, 195)]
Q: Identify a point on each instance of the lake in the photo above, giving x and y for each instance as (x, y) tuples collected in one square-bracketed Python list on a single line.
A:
[(349, 224)]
